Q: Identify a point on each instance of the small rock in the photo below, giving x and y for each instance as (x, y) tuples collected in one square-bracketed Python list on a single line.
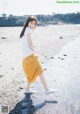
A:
[(45, 69), (64, 55), (15, 96), (52, 57), (62, 58), (1, 75), (58, 57), (44, 56), (12, 68), (60, 37), (20, 87), (3, 37)]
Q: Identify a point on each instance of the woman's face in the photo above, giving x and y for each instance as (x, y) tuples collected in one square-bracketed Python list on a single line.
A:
[(32, 24)]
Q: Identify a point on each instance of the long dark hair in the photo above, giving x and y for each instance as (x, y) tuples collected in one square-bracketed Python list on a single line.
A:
[(30, 18)]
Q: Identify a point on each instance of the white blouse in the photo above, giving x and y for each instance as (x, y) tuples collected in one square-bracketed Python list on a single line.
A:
[(26, 51)]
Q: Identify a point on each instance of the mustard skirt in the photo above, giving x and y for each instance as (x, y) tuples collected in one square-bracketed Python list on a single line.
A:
[(32, 67)]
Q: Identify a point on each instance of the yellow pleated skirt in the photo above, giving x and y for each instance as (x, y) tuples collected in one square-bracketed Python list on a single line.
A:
[(32, 68)]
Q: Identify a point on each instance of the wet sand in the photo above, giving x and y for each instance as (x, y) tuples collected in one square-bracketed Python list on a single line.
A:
[(58, 50)]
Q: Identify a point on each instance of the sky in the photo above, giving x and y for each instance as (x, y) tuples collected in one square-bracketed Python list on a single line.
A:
[(33, 7)]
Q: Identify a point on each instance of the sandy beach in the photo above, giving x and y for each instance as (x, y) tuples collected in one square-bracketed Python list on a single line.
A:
[(58, 48)]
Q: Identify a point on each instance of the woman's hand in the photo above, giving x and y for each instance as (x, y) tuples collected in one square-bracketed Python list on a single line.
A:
[(35, 54)]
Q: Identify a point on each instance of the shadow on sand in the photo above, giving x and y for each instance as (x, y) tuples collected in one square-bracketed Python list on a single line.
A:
[(25, 106)]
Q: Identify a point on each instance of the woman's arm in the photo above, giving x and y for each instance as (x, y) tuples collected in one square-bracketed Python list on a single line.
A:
[(30, 42)]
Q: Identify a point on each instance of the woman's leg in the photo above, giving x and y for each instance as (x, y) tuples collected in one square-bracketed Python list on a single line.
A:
[(28, 90), (28, 86), (44, 82)]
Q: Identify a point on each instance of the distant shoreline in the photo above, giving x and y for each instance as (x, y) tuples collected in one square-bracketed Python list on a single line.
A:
[(44, 25), (43, 20)]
